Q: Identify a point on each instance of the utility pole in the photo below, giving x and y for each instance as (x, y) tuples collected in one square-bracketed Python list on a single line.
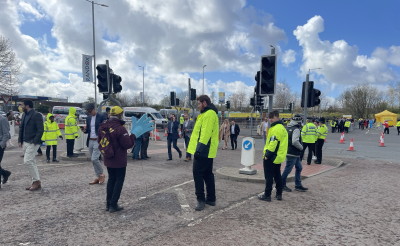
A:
[(270, 97), (306, 97)]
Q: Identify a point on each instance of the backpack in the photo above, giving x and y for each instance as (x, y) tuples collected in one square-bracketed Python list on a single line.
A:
[(105, 145)]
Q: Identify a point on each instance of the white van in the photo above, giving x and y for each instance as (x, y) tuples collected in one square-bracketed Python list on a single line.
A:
[(139, 111), (60, 112)]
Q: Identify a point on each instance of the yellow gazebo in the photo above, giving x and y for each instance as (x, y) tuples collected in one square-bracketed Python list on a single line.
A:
[(388, 116)]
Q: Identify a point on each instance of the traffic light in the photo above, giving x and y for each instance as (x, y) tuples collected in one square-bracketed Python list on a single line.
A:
[(193, 94), (315, 101), (260, 100), (228, 105), (267, 75), (257, 79), (102, 78), (252, 102), (116, 81), (105, 96), (290, 107), (177, 102), (173, 98), (309, 92)]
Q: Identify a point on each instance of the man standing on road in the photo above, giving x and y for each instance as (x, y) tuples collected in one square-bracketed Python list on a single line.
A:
[(398, 126), (204, 145), (347, 126), (308, 137), (30, 134), (173, 135), (71, 131), (295, 148), (188, 125), (235, 130), (120, 142), (386, 126), (50, 136), (4, 137), (275, 151), (322, 132), (93, 122)]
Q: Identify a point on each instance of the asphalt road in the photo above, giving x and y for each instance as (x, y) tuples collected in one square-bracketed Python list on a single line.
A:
[(356, 204)]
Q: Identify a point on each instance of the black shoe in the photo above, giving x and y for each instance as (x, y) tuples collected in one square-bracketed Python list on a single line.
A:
[(264, 198), (169, 159), (147, 157), (301, 188), (308, 163), (200, 206), (55, 160), (211, 203), (317, 162), (113, 209), (5, 177), (48, 161), (287, 189), (180, 154), (279, 197)]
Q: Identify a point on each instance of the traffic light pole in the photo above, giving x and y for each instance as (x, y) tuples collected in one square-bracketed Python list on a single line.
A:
[(306, 98), (270, 97)]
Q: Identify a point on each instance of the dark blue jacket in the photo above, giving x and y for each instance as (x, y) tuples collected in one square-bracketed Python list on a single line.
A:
[(100, 118), (31, 128), (175, 126)]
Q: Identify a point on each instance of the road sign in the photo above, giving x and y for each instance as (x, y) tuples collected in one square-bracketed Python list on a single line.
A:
[(247, 145), (247, 158)]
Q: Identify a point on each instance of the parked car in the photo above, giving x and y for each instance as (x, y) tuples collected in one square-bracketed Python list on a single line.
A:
[(139, 111)]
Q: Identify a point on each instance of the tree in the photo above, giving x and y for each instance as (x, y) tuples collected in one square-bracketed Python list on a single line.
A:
[(283, 95), (89, 100), (362, 100), (9, 69)]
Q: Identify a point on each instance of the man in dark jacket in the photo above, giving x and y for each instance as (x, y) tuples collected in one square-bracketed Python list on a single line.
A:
[(93, 122), (173, 135), (120, 141), (4, 137), (187, 129), (30, 134), (235, 130)]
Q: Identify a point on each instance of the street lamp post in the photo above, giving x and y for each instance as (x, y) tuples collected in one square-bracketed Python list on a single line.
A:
[(203, 77), (94, 49), (143, 86)]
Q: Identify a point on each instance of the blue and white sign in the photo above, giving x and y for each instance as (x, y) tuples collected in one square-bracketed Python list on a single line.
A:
[(247, 145)]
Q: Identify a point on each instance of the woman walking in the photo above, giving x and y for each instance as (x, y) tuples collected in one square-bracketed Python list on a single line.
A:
[(224, 133)]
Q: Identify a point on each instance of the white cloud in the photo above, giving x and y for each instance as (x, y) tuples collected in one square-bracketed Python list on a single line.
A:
[(29, 9), (288, 57), (340, 62)]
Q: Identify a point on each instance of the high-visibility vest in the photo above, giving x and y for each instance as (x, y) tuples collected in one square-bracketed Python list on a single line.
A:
[(347, 124), (309, 133), (398, 123), (322, 131)]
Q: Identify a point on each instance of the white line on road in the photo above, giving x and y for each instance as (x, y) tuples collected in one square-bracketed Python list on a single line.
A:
[(186, 210), (164, 190)]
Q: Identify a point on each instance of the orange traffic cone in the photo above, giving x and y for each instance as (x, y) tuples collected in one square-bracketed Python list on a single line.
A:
[(382, 141), (157, 135), (165, 133), (342, 138), (351, 147)]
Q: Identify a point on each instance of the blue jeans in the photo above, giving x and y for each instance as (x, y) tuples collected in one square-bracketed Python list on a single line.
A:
[(136, 148), (290, 162)]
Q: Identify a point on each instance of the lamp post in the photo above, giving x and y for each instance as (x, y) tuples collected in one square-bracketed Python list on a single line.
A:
[(94, 49), (143, 86), (203, 78)]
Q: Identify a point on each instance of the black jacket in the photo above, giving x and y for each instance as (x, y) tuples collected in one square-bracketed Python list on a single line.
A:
[(175, 126), (31, 128), (237, 129), (100, 118)]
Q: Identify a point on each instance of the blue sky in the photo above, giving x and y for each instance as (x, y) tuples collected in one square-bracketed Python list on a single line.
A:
[(352, 41)]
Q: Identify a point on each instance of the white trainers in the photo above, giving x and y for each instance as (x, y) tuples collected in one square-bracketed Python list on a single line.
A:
[(314, 158)]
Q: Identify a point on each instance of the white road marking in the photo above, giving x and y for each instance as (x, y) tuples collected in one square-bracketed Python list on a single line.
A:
[(169, 188), (186, 211)]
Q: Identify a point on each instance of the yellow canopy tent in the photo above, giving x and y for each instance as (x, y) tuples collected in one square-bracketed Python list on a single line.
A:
[(388, 116)]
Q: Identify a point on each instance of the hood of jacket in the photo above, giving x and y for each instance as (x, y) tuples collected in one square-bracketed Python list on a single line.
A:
[(210, 107), (72, 111), (48, 117), (293, 123), (113, 123)]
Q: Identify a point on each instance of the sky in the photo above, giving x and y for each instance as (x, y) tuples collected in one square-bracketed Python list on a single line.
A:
[(351, 42)]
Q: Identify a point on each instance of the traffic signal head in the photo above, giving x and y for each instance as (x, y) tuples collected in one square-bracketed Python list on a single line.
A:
[(193, 94), (309, 91), (252, 102), (116, 81), (257, 79), (228, 105), (315, 100), (177, 102), (173, 98), (267, 75), (260, 100), (290, 107), (102, 78)]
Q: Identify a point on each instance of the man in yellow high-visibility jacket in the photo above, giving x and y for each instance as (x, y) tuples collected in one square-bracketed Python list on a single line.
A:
[(322, 132), (275, 151), (71, 131), (203, 145), (309, 137), (50, 135), (398, 127)]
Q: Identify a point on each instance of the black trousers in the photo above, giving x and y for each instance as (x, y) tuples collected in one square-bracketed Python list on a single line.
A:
[(187, 139), (3, 172), (333, 129), (40, 150), (318, 149), (311, 149), (48, 148), (173, 141), (203, 173), (234, 141), (272, 172), (70, 147), (144, 147), (398, 130), (116, 178), (386, 131), (346, 129)]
